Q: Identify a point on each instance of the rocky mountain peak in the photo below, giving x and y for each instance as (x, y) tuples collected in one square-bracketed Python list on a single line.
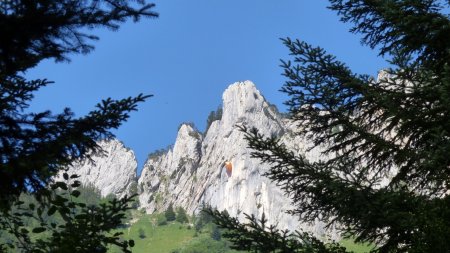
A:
[(241, 100), (113, 171), (194, 171), (214, 168), (188, 140), (242, 97)]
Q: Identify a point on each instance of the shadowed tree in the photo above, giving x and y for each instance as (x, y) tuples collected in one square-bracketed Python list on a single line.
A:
[(387, 178), (170, 213), (35, 146), (216, 234), (141, 233), (182, 216)]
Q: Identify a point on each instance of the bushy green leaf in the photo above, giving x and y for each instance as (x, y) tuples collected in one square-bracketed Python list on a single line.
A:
[(39, 230)]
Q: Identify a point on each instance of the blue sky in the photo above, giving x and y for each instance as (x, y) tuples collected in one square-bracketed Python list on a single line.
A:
[(188, 56)]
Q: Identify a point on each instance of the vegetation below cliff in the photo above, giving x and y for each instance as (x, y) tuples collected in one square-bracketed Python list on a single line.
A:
[(172, 231), (152, 233)]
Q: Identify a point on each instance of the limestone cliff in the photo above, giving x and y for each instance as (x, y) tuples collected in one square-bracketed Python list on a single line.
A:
[(193, 172), (113, 172)]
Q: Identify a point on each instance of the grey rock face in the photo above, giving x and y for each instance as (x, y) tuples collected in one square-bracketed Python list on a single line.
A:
[(114, 172), (171, 176), (193, 172)]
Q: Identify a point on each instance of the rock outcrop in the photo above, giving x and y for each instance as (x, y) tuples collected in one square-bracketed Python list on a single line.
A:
[(170, 177), (193, 172), (113, 172)]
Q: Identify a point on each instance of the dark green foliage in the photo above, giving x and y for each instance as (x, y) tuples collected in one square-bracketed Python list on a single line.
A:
[(65, 223), (182, 215), (134, 191), (203, 219), (162, 221), (141, 233), (256, 236), (43, 29), (34, 146), (216, 234), (170, 213), (89, 194), (394, 129), (134, 188), (208, 239), (110, 196), (409, 28), (198, 225), (213, 116)]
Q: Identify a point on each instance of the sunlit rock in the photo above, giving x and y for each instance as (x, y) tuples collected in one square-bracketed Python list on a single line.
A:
[(193, 171)]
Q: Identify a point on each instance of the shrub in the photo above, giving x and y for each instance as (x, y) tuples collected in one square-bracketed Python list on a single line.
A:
[(181, 215), (162, 221), (170, 214), (141, 233)]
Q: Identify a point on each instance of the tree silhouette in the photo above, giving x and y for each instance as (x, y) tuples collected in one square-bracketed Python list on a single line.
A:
[(35, 146), (386, 179), (141, 233)]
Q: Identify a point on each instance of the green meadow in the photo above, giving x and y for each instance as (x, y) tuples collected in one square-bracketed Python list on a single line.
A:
[(175, 237)]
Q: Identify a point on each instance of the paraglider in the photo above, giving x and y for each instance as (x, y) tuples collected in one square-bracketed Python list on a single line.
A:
[(229, 168)]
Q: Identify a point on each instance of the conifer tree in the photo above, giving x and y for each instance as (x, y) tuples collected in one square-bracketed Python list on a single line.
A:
[(213, 116), (170, 213), (141, 233), (387, 176), (35, 146), (182, 215), (215, 234)]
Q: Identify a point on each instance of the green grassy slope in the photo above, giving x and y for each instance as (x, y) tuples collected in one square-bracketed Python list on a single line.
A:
[(183, 238), (158, 239), (150, 236), (173, 237), (356, 247)]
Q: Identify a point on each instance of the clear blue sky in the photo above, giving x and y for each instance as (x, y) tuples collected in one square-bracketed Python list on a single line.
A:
[(188, 56)]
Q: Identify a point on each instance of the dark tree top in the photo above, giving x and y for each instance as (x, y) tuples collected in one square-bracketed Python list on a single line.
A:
[(36, 146), (33, 30)]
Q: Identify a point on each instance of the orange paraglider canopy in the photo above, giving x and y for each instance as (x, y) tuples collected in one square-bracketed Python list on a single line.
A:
[(229, 168)]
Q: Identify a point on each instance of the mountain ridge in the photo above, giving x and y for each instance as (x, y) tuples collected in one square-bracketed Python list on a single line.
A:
[(193, 171)]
